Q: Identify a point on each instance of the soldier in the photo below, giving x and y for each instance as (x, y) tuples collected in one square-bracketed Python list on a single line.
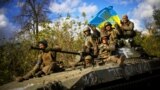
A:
[(127, 32), (45, 65), (88, 61), (127, 27), (111, 33), (106, 49), (90, 45)]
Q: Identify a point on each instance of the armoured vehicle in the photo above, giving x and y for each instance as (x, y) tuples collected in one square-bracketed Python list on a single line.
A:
[(139, 71)]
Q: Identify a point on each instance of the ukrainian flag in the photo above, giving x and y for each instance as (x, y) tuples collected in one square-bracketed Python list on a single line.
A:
[(105, 15)]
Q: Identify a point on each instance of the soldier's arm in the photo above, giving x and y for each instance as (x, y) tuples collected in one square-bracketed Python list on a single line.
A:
[(113, 38), (128, 28), (117, 32), (39, 61), (112, 47)]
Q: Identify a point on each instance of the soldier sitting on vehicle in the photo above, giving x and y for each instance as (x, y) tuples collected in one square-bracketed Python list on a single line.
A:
[(45, 65), (127, 31), (111, 33), (126, 27), (105, 51)]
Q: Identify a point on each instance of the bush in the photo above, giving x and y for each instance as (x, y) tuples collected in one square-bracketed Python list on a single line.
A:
[(150, 43)]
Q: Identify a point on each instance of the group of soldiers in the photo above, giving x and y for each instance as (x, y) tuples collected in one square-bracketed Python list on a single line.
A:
[(99, 46), (103, 45)]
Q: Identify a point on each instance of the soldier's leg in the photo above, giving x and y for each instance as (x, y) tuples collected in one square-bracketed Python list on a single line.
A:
[(48, 69), (121, 60), (128, 34), (118, 60)]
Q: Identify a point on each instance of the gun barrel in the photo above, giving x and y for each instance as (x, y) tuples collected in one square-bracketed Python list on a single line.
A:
[(69, 52), (55, 50)]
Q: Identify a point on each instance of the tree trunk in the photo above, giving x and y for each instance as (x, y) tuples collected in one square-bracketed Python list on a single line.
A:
[(37, 30)]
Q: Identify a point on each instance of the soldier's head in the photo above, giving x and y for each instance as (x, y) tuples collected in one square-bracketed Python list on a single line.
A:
[(88, 59), (104, 38), (87, 31), (43, 44), (108, 26), (124, 18)]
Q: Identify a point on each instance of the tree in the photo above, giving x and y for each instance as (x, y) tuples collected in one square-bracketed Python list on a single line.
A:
[(156, 16), (33, 12), (84, 16)]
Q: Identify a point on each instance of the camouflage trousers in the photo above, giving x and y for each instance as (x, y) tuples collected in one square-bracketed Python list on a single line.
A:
[(128, 34), (115, 59)]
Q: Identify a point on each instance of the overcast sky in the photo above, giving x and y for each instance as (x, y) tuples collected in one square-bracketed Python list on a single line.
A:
[(137, 10)]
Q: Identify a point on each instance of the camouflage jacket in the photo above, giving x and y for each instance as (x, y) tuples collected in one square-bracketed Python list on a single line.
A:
[(45, 58), (129, 26), (112, 34), (105, 50), (91, 44)]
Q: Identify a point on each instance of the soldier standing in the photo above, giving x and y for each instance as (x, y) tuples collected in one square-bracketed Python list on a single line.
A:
[(46, 63), (106, 49), (90, 44)]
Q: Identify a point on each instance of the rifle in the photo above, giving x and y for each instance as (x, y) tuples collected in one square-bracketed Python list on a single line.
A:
[(57, 50)]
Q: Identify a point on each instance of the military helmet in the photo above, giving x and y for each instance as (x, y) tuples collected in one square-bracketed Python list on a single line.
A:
[(44, 42), (86, 29), (104, 36), (125, 17), (108, 24), (88, 57)]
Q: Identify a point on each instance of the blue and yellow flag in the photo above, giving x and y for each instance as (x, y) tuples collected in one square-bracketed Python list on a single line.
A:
[(105, 15)]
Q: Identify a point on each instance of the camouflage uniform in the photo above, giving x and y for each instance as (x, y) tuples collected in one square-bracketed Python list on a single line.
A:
[(49, 63), (90, 45), (127, 27), (45, 65), (105, 52), (112, 34)]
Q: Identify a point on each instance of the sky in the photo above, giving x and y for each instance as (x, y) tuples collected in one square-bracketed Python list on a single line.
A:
[(137, 11)]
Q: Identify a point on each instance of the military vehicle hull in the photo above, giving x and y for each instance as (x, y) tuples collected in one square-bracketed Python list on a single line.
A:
[(108, 76)]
